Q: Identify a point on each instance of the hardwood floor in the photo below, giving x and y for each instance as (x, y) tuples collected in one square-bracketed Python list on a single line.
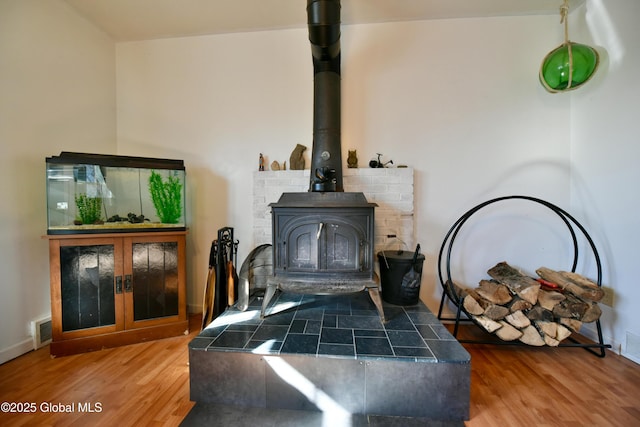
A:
[(148, 385), (544, 386), (143, 384)]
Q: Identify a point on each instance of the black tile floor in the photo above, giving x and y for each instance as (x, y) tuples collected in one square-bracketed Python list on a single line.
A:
[(344, 326)]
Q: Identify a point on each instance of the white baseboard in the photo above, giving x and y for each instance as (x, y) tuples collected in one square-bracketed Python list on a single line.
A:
[(630, 357), (16, 350)]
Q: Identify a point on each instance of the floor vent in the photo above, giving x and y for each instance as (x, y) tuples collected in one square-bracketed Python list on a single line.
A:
[(41, 332)]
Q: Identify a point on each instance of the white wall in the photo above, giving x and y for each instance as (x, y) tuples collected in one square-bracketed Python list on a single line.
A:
[(605, 151), (57, 80)]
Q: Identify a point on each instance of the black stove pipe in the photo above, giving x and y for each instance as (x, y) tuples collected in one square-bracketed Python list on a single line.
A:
[(323, 19)]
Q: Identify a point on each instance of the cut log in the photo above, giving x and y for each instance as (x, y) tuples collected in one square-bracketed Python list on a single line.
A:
[(571, 307), (477, 305), (469, 298), (571, 282), (540, 313), (592, 314), (489, 325), (518, 319), (496, 312), (518, 304), (495, 292), (508, 332), (531, 336), (472, 306), (548, 332), (572, 324), (563, 332), (580, 280), (459, 291), (551, 342), (549, 299), (549, 328), (523, 286)]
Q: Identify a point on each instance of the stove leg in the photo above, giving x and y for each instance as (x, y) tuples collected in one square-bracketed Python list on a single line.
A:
[(269, 292), (374, 294)]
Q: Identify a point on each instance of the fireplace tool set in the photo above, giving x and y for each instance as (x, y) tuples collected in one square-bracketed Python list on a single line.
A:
[(221, 290)]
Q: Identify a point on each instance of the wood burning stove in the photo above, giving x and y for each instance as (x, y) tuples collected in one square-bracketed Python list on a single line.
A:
[(323, 240), (323, 244), (327, 235)]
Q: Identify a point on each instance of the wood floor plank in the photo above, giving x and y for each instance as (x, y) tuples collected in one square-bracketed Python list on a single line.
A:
[(148, 385)]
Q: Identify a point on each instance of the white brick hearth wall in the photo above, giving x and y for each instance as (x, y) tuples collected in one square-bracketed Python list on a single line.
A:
[(390, 188)]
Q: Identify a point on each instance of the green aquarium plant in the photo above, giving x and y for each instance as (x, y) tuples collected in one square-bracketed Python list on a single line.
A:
[(89, 209), (166, 197)]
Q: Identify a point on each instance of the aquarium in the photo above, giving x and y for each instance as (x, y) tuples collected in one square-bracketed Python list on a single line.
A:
[(97, 193)]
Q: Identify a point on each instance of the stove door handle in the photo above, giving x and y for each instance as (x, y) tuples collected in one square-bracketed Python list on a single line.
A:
[(319, 231)]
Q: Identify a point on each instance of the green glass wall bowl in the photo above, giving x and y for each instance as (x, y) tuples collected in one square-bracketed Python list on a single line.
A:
[(555, 72)]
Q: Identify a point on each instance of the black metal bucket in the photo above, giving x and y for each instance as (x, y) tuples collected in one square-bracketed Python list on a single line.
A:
[(395, 267)]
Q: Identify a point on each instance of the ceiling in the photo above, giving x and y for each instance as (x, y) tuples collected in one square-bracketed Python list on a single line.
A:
[(129, 20)]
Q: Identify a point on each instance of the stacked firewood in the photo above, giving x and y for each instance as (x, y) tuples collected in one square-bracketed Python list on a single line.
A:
[(541, 311)]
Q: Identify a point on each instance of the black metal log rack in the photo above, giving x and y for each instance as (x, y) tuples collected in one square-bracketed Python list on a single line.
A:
[(461, 315)]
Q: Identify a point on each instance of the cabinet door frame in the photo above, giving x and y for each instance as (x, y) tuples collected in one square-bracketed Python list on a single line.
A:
[(128, 242), (56, 288)]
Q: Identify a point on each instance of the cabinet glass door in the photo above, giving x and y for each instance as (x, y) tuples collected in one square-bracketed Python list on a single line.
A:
[(154, 280), (87, 292)]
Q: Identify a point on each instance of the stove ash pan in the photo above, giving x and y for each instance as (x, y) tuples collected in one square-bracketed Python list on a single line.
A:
[(323, 237)]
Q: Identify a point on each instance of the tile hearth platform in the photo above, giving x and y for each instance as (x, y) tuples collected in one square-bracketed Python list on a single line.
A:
[(332, 354)]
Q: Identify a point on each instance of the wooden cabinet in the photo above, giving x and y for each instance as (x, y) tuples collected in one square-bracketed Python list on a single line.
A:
[(114, 289)]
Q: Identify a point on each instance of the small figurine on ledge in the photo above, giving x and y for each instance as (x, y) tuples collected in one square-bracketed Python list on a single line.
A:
[(261, 164), (352, 159), (296, 161), (378, 163)]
